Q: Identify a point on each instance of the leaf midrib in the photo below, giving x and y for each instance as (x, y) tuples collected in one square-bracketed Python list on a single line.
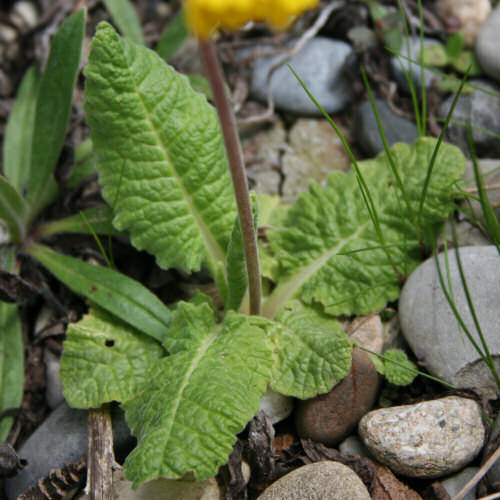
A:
[(287, 289), (213, 248)]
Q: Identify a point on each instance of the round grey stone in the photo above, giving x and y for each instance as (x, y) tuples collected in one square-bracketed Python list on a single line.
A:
[(488, 45), (320, 65), (318, 481), (430, 327), (455, 483), (396, 128), (414, 54), (353, 445), (483, 112), (426, 440), (61, 439)]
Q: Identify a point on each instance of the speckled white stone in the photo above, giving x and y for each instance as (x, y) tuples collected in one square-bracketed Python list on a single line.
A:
[(427, 440), (318, 481)]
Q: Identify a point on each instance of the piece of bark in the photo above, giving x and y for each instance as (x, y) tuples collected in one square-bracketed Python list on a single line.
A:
[(388, 487)]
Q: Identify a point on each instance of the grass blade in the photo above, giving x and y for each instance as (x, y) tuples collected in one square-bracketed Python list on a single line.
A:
[(436, 149)]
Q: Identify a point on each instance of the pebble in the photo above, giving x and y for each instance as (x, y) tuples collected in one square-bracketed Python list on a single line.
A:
[(314, 480), (262, 152), (396, 128), (331, 417), (320, 65), (425, 440), (276, 406), (494, 473), (353, 445), (163, 489), (491, 177), (431, 329), (62, 438), (314, 150), (368, 332), (488, 45), (398, 72), (483, 112), (455, 483), (470, 14), (53, 390)]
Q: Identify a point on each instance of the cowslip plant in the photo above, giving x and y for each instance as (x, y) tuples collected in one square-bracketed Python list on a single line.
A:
[(190, 378)]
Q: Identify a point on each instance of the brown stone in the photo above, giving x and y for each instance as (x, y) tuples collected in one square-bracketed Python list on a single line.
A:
[(331, 417)]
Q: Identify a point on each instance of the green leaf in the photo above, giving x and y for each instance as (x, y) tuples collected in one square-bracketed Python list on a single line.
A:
[(11, 359), (85, 164), (454, 45), (237, 278), (173, 37), (330, 252), (465, 60), (198, 398), (399, 370), (175, 197), (113, 291), (53, 109), (434, 55), (98, 217), (13, 210), (104, 360), (19, 131), (124, 16), (312, 352)]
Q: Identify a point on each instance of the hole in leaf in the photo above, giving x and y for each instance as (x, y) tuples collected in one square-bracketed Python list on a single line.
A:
[(109, 343)]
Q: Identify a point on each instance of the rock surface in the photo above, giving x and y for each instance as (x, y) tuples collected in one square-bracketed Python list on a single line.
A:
[(320, 65), (488, 45), (455, 483), (367, 331), (329, 418), (262, 154), (313, 151), (470, 14), (62, 438), (276, 405), (163, 489), (431, 329), (483, 112), (396, 128), (425, 440), (398, 72), (318, 481)]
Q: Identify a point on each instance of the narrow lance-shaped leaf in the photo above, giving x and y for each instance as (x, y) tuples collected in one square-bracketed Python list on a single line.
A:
[(96, 219), (104, 360), (113, 291), (11, 358), (19, 131), (13, 210), (329, 251), (237, 278), (53, 109), (173, 37), (198, 399), (159, 146), (124, 16)]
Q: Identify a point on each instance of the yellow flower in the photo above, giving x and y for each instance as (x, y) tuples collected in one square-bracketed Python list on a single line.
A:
[(206, 16)]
